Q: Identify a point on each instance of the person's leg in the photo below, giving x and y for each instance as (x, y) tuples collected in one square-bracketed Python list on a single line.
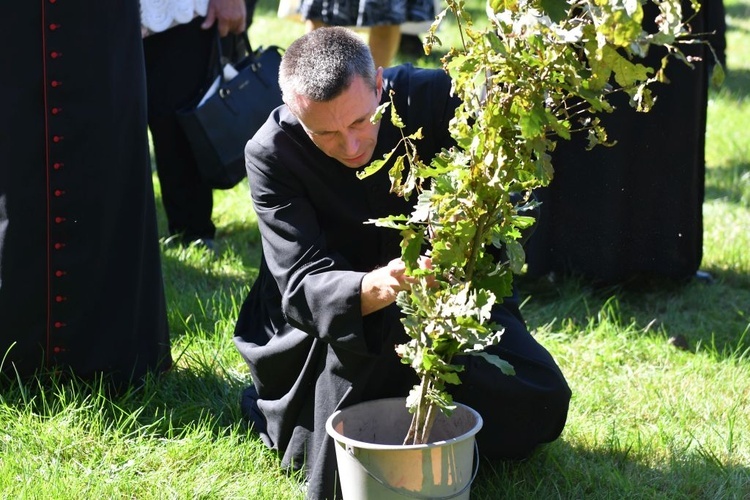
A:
[(384, 41), (176, 69), (313, 24)]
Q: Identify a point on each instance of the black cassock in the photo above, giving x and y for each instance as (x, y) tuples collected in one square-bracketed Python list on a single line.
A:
[(633, 212), (80, 279), (309, 349)]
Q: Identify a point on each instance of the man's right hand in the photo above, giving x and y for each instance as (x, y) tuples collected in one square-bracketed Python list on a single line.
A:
[(381, 286)]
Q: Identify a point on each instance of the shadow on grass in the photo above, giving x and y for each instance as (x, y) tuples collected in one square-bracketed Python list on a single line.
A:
[(729, 182), (203, 288), (736, 83), (182, 398), (707, 313), (242, 240), (162, 406), (46, 417), (200, 293), (736, 11), (561, 470)]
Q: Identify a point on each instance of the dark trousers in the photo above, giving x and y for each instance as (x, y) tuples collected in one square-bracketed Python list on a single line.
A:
[(176, 69)]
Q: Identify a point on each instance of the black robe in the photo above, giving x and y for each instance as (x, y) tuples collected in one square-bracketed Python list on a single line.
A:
[(81, 287), (633, 212), (309, 349)]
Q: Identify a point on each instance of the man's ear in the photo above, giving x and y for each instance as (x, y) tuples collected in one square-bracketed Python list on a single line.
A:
[(379, 83), (291, 103)]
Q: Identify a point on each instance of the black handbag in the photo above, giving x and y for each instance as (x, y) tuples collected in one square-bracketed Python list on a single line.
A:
[(220, 126)]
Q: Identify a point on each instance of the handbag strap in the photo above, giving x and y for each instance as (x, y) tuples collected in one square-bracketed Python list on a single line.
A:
[(242, 55), (236, 53), (238, 49)]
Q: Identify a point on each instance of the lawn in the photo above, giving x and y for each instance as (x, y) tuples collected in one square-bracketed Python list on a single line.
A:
[(647, 420)]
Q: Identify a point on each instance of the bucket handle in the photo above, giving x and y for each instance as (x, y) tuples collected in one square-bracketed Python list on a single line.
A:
[(417, 495)]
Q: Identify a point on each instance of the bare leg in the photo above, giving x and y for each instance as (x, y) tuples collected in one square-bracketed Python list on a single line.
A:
[(313, 24), (384, 40)]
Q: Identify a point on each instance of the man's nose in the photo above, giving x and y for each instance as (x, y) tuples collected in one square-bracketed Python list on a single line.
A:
[(350, 143)]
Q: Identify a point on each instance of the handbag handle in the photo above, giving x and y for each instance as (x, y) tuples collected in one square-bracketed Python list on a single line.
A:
[(244, 57), (235, 54)]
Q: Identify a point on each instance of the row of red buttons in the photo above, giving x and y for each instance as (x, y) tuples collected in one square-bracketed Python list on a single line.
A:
[(56, 165)]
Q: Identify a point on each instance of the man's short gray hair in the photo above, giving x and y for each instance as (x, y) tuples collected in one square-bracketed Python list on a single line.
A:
[(321, 64)]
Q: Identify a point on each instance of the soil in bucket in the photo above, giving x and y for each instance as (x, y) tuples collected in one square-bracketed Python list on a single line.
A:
[(373, 462)]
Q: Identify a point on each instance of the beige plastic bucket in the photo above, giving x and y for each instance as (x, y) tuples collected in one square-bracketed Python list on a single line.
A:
[(372, 462)]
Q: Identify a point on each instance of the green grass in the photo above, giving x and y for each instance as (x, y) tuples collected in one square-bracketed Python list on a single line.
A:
[(647, 420)]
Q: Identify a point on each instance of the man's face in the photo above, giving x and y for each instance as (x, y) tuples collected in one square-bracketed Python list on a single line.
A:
[(341, 127)]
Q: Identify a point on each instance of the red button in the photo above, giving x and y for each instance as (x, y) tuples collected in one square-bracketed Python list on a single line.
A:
[(56, 83), (59, 192), (54, 26), (58, 220), (59, 324), (59, 298), (57, 165), (52, 1), (58, 246), (55, 55), (56, 110), (60, 273), (57, 138), (57, 349)]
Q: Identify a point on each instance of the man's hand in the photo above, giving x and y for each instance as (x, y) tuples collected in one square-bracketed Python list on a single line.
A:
[(381, 286), (230, 14)]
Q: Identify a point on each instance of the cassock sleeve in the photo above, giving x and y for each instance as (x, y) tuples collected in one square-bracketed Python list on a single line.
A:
[(320, 292)]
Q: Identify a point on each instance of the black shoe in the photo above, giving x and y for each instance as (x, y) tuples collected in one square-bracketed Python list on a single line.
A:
[(207, 243), (178, 240)]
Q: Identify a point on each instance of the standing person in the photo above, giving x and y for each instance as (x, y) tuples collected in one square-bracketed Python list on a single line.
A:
[(178, 53), (81, 286), (383, 17), (319, 325), (643, 217)]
